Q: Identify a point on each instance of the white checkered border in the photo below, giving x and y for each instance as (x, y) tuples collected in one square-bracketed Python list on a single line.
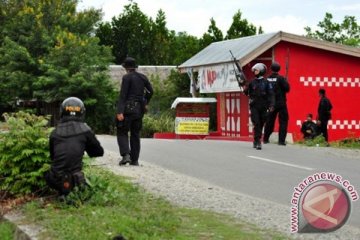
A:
[(339, 124), (330, 82)]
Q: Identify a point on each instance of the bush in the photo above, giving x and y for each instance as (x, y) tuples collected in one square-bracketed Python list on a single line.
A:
[(351, 142), (317, 141), (166, 91), (102, 191), (164, 122), (24, 153)]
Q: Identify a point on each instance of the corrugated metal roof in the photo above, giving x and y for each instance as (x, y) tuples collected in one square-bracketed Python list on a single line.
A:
[(218, 52), (248, 48)]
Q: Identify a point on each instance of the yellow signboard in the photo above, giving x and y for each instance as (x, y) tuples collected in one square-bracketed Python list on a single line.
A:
[(192, 125)]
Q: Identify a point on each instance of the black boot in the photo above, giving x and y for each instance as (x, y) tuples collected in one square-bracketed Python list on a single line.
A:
[(125, 159), (258, 146), (134, 163)]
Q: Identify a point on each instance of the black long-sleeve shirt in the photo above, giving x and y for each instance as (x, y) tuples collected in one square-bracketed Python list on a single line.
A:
[(324, 109), (135, 86), (68, 142), (309, 125), (260, 93), (281, 87)]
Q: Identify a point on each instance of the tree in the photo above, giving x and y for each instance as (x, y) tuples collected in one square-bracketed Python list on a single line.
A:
[(240, 27), (48, 52), (105, 34), (347, 32), (213, 34), (131, 35), (161, 40), (183, 47), (150, 42)]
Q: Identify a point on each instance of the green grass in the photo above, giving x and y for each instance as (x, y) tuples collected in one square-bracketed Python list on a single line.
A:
[(120, 207), (352, 143), (319, 141), (6, 230)]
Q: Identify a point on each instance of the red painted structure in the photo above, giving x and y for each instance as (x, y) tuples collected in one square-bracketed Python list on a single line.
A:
[(312, 64), (311, 69)]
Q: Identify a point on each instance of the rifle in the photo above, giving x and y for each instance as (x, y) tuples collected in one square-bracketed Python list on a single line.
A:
[(239, 74)]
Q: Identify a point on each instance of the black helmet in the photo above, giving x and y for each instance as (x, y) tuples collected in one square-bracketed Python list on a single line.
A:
[(129, 63), (72, 107), (275, 67), (261, 67)]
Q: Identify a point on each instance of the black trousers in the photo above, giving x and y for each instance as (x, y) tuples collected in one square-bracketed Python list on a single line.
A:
[(64, 183), (258, 118), (283, 114), (132, 125), (323, 128)]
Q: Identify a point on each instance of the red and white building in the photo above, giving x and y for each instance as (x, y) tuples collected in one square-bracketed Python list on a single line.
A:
[(310, 65)]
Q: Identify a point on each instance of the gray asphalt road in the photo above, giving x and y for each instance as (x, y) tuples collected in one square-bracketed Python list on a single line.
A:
[(270, 174)]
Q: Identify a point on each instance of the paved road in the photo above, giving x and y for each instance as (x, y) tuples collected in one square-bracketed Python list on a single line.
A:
[(270, 174)]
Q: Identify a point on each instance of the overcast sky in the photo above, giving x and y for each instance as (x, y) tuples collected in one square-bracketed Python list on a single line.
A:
[(193, 16)]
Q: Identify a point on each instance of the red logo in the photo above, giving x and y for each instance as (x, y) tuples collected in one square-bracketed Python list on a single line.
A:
[(325, 207)]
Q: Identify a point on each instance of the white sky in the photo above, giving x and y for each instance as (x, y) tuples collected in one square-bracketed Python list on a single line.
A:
[(193, 16)]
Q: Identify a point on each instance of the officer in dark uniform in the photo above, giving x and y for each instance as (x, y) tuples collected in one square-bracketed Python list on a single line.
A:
[(135, 95), (261, 101), (281, 87), (68, 141), (324, 113), (309, 128)]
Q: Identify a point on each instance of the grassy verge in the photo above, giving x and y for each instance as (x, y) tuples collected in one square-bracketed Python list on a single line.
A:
[(6, 230), (352, 143), (119, 207), (319, 141)]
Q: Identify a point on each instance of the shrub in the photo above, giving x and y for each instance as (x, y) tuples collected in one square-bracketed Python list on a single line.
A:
[(164, 122), (166, 91), (24, 153), (102, 191), (317, 141), (350, 142)]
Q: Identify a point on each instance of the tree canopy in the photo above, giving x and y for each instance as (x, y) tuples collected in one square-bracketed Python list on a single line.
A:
[(241, 27), (347, 32), (152, 43), (48, 53)]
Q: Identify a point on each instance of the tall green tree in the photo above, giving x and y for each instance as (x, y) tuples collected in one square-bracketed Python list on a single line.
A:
[(183, 47), (105, 34), (48, 52), (135, 34), (130, 35), (240, 27), (161, 40), (213, 34), (347, 32)]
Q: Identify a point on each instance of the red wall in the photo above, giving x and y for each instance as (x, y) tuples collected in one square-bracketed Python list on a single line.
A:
[(311, 69)]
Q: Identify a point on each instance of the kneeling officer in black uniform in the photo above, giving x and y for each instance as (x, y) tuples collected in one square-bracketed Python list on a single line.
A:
[(68, 142)]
